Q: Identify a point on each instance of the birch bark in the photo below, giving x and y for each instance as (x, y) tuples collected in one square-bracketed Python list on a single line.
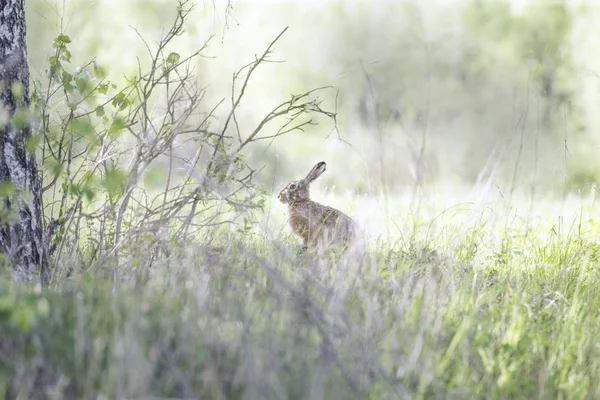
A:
[(20, 195)]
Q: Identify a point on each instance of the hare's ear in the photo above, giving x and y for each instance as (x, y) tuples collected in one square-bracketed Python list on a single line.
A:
[(315, 172)]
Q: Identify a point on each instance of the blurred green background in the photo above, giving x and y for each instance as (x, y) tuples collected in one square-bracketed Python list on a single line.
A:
[(441, 92)]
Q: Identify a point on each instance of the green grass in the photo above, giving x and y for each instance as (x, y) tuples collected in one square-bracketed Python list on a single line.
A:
[(489, 300)]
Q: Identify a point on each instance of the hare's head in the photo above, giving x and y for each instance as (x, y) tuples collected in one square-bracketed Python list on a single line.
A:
[(298, 190)]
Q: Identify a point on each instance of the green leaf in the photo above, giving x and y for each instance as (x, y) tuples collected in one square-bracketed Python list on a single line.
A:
[(66, 77), (103, 88), (173, 58), (7, 189), (99, 71), (116, 127), (66, 55), (69, 87), (166, 130), (72, 105), (114, 182), (55, 66), (85, 187), (35, 100), (121, 101), (89, 193), (21, 118), (63, 39), (82, 127), (100, 111), (55, 167), (82, 84), (18, 90), (32, 143)]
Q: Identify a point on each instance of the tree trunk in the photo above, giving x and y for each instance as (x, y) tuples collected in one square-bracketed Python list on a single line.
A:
[(20, 195)]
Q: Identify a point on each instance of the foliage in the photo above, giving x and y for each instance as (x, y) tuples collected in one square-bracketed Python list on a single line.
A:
[(151, 155)]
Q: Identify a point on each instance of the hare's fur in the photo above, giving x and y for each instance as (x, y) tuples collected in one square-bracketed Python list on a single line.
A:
[(321, 227)]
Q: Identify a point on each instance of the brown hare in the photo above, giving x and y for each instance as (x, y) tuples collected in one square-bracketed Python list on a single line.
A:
[(321, 228)]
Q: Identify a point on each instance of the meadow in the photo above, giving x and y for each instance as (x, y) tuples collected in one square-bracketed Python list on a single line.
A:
[(465, 150), (460, 300)]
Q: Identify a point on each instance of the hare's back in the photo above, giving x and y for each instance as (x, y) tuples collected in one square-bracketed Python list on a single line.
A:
[(331, 217)]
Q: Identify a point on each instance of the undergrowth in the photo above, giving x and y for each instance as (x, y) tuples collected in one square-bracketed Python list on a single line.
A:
[(246, 318)]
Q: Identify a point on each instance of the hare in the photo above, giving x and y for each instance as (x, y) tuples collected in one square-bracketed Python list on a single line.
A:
[(320, 227)]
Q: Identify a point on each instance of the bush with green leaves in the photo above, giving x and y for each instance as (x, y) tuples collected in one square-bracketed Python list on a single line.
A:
[(150, 155)]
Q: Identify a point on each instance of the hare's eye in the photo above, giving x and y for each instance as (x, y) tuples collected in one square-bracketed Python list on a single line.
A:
[(293, 186)]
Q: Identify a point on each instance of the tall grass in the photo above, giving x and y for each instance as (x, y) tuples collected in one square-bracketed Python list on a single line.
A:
[(469, 304)]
